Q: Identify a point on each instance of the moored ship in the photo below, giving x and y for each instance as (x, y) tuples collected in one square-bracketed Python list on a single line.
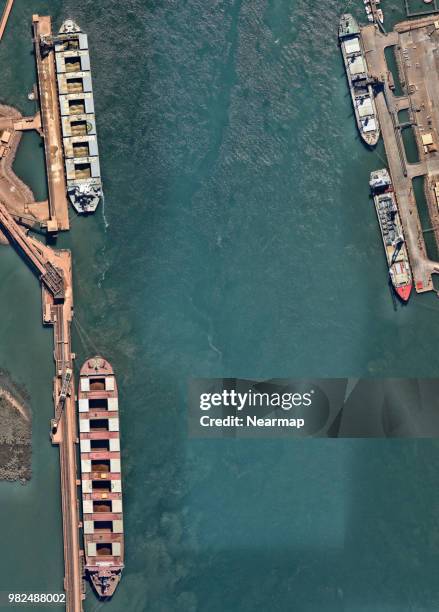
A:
[(101, 475), (392, 233), (360, 85), (83, 173)]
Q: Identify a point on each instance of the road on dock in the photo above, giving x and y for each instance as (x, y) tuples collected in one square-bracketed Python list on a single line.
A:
[(401, 171)]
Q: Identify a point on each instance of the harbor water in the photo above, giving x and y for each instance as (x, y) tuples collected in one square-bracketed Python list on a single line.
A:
[(238, 239)]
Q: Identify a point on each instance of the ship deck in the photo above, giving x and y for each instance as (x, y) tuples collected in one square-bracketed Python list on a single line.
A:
[(57, 302), (76, 100), (100, 470)]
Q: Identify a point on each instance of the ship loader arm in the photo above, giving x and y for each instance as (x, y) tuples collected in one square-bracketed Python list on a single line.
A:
[(65, 391)]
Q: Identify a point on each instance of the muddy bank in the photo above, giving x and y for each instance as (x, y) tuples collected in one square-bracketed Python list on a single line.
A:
[(15, 194), (15, 431), (23, 192)]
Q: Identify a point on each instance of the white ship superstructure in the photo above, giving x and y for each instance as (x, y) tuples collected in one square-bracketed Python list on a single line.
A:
[(360, 86)]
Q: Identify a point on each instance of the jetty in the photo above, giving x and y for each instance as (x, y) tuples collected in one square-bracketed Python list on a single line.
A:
[(376, 13), (5, 16), (54, 270), (416, 44), (51, 123)]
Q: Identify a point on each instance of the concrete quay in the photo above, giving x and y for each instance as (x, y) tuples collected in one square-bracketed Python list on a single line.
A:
[(51, 121), (54, 269), (402, 172)]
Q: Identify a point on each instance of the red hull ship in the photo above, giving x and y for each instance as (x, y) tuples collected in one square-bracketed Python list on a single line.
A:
[(392, 233), (101, 475)]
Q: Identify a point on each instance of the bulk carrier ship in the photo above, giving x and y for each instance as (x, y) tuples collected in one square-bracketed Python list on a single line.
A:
[(101, 475), (360, 85), (83, 173), (392, 233)]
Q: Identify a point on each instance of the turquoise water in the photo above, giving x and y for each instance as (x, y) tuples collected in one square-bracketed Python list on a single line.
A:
[(393, 68), (240, 240)]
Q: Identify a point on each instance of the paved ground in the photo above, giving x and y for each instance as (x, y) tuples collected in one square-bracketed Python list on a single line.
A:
[(401, 171), (50, 115), (420, 62)]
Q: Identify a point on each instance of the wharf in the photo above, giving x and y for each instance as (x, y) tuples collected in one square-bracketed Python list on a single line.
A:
[(54, 269), (59, 315), (375, 11), (51, 121), (25, 124), (402, 172), (5, 16)]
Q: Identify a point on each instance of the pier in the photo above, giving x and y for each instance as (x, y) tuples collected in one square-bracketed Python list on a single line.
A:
[(5, 16), (26, 124), (418, 101), (51, 122), (54, 270), (376, 13)]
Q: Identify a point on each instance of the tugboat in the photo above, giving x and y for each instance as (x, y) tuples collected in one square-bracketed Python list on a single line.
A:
[(392, 233), (360, 85), (101, 475)]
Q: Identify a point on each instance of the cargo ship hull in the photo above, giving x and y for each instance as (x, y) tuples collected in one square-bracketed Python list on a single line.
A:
[(392, 233), (101, 475), (81, 154), (360, 87)]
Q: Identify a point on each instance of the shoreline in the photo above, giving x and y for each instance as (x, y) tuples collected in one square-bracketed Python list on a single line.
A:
[(16, 194), (7, 162), (15, 432)]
